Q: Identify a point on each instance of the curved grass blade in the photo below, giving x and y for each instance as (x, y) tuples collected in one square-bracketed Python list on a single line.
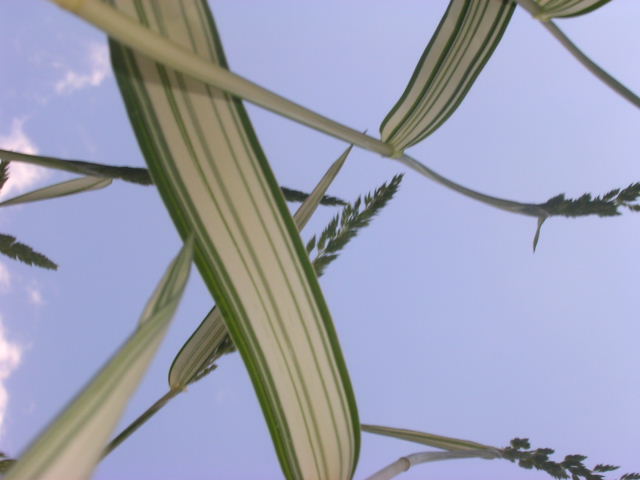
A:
[(128, 31), (429, 439), (211, 339), (215, 181), (128, 174), (71, 447), (77, 185), (567, 8), (124, 29), (461, 46), (10, 247)]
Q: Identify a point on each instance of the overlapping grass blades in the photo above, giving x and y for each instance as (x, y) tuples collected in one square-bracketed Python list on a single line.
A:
[(568, 8), (463, 42), (128, 174), (72, 446), (62, 189), (211, 173), (211, 339)]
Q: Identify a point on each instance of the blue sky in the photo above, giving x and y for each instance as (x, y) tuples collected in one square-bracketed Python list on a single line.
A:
[(449, 324)]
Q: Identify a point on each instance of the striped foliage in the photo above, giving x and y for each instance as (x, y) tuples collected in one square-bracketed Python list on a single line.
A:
[(211, 339), (215, 181), (568, 8), (77, 185), (461, 46), (71, 447)]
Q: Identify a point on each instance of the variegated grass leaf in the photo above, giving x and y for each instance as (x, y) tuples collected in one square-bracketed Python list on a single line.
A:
[(72, 445), (211, 339), (567, 8), (197, 357), (70, 187), (458, 51), (215, 181)]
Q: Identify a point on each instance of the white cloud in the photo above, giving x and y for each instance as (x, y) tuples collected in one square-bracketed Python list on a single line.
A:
[(21, 175), (35, 296), (98, 71), (10, 357), (5, 278)]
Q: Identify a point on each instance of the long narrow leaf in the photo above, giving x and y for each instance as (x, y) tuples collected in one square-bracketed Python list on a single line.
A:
[(77, 185), (568, 8), (465, 39), (211, 172), (429, 439), (128, 174), (70, 448), (211, 339)]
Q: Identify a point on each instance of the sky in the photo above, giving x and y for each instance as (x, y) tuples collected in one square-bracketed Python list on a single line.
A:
[(448, 322)]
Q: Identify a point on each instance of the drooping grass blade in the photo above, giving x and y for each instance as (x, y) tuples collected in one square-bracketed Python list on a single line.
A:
[(72, 445)]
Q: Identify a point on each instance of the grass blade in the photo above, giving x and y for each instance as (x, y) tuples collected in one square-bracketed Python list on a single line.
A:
[(567, 8), (429, 439), (77, 185), (211, 339), (219, 186), (461, 46), (128, 174), (73, 444)]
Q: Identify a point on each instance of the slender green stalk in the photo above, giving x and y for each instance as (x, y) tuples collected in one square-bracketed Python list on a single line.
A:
[(141, 420), (124, 29), (529, 209), (534, 9)]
